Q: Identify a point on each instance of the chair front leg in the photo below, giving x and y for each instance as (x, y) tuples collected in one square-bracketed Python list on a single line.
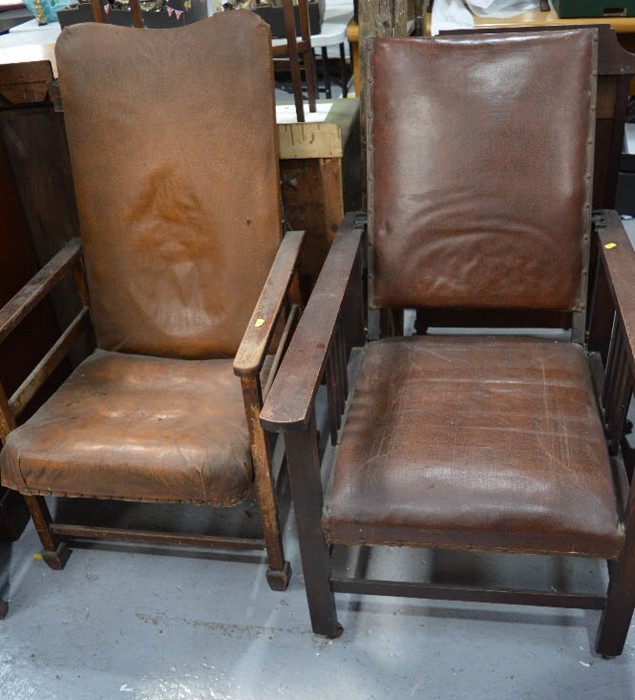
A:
[(279, 571), (304, 475), (54, 552), (620, 602)]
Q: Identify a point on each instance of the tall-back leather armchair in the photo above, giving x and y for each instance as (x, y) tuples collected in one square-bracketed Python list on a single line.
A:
[(173, 147), (480, 170)]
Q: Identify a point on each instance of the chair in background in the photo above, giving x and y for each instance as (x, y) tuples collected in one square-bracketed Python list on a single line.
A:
[(480, 164), (99, 14), (297, 50), (332, 34), (174, 156)]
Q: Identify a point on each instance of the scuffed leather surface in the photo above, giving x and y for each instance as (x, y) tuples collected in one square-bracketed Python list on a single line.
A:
[(137, 428), (472, 442), (475, 199), (173, 149)]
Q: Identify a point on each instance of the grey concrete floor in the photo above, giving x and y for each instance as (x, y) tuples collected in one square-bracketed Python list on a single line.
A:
[(120, 623)]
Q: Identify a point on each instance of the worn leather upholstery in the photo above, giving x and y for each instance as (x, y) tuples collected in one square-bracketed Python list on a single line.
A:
[(488, 209), (176, 254), (137, 428), (176, 257), (472, 441)]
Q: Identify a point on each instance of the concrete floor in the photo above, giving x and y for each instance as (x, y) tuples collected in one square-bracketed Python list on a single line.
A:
[(122, 623)]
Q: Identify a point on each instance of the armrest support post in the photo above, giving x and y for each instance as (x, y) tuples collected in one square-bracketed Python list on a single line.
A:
[(265, 485)]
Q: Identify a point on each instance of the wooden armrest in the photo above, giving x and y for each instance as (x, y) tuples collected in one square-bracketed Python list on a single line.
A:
[(253, 346), (618, 257), (288, 405), (20, 305)]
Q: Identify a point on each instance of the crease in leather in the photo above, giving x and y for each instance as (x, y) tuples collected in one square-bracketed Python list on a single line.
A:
[(177, 195), (488, 209), (435, 450), (130, 427)]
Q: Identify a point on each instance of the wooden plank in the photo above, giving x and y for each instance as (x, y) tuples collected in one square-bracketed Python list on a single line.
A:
[(310, 140), (25, 83), (312, 198), (319, 139), (624, 25)]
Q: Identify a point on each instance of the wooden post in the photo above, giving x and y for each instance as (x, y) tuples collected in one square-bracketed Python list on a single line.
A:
[(377, 18)]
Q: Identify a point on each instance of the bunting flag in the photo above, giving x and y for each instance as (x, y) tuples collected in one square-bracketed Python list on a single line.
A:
[(171, 11)]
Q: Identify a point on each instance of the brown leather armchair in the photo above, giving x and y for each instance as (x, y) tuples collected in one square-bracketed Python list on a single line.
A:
[(188, 282), (480, 164)]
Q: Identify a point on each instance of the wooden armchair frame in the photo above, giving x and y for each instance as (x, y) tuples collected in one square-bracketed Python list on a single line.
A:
[(278, 302), (461, 441), (333, 324)]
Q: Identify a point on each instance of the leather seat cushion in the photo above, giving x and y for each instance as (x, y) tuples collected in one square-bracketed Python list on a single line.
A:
[(137, 428), (474, 442)]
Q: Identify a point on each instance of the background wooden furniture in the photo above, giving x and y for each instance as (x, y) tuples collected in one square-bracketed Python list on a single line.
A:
[(468, 442), (623, 26), (22, 350), (150, 237), (319, 166)]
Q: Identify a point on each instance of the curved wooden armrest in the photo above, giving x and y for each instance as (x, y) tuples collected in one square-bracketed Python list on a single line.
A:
[(262, 324), (619, 262), (19, 306), (290, 400)]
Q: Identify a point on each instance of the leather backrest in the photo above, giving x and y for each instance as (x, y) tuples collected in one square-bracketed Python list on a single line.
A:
[(480, 164), (174, 154)]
